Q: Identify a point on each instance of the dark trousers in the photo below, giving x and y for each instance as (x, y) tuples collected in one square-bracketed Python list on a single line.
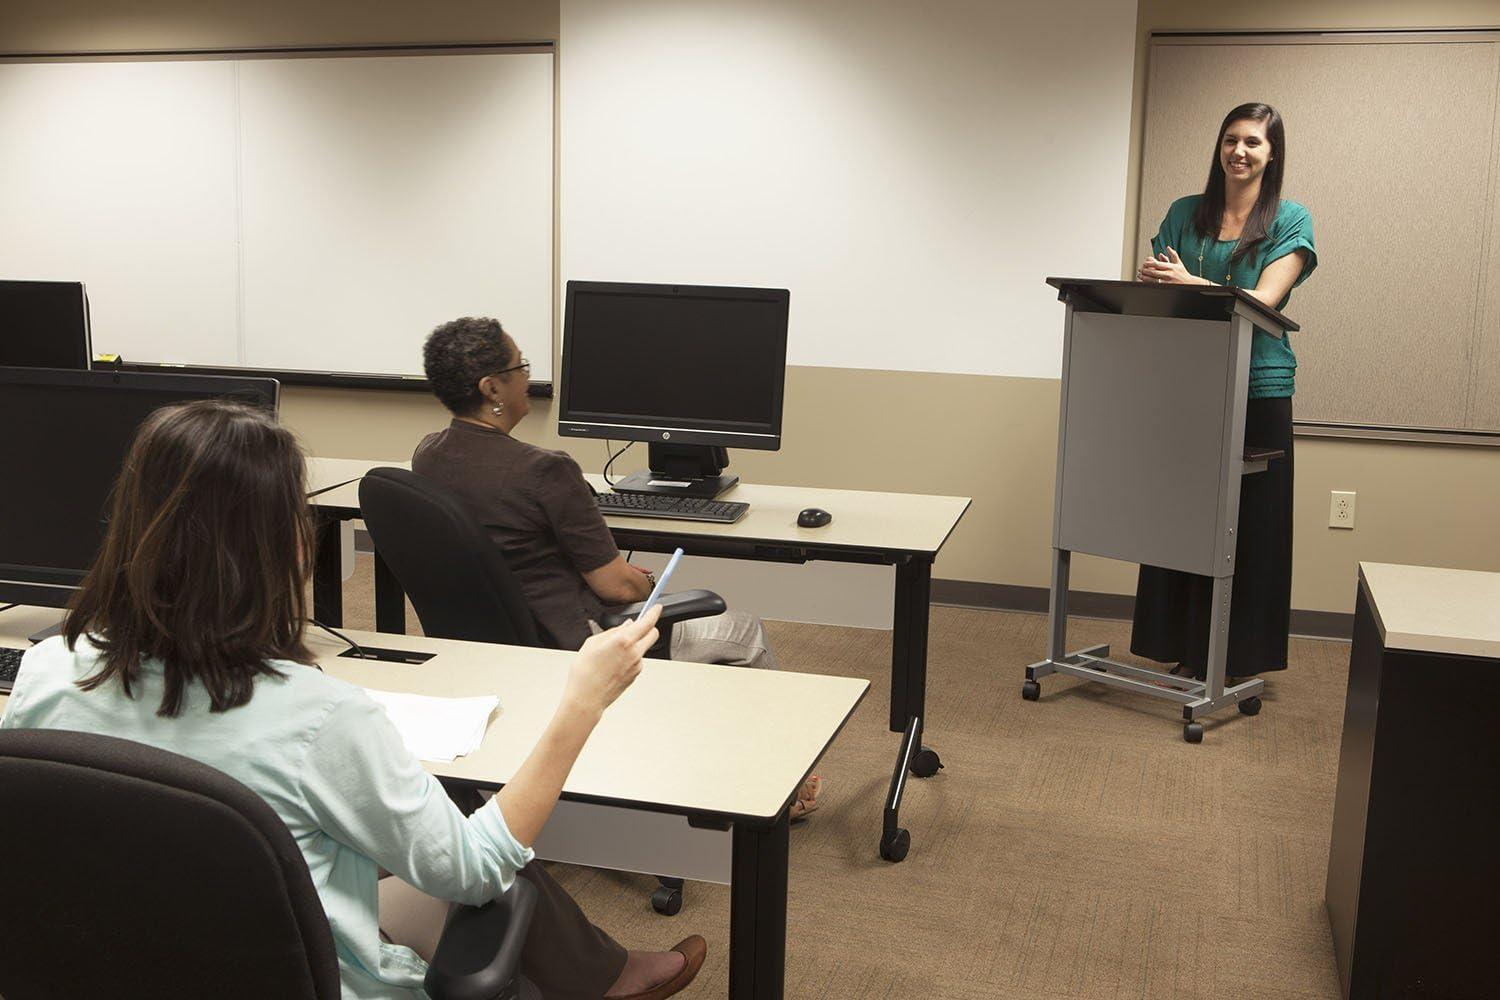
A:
[(566, 956), (1173, 610)]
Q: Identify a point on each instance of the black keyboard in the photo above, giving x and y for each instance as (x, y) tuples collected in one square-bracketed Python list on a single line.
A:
[(672, 508), (10, 666)]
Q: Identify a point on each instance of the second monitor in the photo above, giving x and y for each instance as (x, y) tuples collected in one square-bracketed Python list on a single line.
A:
[(691, 369), (44, 324)]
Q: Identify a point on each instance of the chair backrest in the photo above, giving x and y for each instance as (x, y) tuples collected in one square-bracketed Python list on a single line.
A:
[(129, 871), (454, 573)]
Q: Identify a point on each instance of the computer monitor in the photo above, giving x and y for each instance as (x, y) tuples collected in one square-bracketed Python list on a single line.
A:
[(691, 369), (44, 324), (63, 438)]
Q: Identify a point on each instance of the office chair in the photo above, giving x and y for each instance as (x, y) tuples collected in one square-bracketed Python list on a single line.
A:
[(457, 577), (462, 588), (133, 872)]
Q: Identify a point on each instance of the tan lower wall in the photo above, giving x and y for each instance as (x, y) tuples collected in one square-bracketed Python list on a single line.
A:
[(989, 438), (994, 439)]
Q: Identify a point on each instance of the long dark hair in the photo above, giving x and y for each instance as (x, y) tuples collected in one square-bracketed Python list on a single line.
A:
[(1208, 218), (205, 563)]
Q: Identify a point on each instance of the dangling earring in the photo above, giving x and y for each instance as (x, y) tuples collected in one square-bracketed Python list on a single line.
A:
[(497, 409)]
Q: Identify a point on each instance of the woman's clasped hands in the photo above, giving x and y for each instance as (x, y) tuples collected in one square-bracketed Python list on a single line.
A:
[(1166, 268)]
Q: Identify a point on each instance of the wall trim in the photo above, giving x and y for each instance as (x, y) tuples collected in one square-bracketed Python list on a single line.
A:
[(1082, 603), (1093, 604)]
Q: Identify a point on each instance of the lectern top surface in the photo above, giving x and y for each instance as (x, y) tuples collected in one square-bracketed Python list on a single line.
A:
[(1140, 298)]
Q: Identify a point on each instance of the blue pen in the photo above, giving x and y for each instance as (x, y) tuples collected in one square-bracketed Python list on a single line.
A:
[(661, 584)]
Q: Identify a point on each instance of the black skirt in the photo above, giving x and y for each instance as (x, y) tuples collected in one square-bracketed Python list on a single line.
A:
[(1173, 610)]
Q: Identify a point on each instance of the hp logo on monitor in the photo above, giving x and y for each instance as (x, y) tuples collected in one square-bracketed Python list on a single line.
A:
[(666, 435)]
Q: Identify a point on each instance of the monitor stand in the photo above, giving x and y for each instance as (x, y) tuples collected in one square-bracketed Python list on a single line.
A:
[(682, 470)]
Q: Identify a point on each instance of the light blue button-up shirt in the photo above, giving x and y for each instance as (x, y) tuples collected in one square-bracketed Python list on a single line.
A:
[(328, 760)]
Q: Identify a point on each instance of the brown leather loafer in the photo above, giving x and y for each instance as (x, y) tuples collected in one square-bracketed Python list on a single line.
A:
[(695, 950)]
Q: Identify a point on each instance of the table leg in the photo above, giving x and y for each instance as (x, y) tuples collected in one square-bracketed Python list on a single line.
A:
[(390, 600), (908, 697), (757, 910), (909, 642), (328, 573)]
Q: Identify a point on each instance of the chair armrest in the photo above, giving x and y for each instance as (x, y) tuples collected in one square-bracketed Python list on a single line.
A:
[(674, 608), (479, 954)]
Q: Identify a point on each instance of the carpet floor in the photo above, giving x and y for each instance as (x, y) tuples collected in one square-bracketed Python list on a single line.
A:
[(1073, 847)]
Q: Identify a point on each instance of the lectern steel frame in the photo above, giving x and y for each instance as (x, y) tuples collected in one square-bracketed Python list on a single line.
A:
[(1150, 451)]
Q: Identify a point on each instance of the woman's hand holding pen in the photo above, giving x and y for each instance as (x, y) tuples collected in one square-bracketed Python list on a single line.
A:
[(608, 663), (1166, 269)]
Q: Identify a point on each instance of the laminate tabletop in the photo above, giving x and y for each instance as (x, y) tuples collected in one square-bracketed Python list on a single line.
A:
[(862, 519), (1434, 610), (686, 737)]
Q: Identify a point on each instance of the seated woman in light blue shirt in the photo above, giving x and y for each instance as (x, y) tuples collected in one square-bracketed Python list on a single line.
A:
[(187, 635)]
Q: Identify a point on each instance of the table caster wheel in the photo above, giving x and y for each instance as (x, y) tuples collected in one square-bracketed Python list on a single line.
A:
[(925, 763), (894, 845), (1192, 732), (667, 901), (1031, 690), (1250, 706)]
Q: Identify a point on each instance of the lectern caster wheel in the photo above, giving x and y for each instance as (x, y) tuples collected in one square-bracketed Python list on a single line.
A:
[(1192, 732), (894, 845), (1031, 690), (667, 901), (1250, 706), (925, 763)]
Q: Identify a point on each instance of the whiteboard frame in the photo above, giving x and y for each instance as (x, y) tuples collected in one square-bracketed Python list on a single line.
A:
[(352, 380)]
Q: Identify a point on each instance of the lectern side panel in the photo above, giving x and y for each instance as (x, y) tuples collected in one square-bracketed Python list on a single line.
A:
[(1143, 439)]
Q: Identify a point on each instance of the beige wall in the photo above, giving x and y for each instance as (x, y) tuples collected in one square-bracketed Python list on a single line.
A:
[(990, 438)]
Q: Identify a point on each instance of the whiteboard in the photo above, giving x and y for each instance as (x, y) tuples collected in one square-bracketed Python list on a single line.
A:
[(911, 172), (309, 214)]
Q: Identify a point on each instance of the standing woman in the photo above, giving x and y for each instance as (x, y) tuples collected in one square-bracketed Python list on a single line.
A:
[(1238, 232)]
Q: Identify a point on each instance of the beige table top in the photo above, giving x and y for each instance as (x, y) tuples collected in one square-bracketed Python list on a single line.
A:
[(1433, 610), (325, 473), (685, 737), (905, 522)]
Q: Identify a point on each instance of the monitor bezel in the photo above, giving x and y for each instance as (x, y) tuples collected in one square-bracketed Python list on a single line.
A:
[(764, 437), (45, 586), (85, 362)]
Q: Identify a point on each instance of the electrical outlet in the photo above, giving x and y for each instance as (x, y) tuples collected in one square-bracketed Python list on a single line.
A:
[(1340, 510)]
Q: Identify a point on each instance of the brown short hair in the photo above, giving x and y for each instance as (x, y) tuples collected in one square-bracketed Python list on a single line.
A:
[(205, 564)]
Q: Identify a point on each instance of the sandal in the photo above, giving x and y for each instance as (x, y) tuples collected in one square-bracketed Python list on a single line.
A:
[(807, 798)]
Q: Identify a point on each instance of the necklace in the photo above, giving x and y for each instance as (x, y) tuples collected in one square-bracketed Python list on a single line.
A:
[(1229, 268)]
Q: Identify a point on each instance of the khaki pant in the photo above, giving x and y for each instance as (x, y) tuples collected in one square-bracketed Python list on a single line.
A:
[(736, 638)]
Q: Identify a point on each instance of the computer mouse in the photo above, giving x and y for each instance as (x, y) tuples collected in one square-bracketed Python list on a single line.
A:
[(813, 517)]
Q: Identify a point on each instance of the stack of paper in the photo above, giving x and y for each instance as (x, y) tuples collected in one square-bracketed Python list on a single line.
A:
[(439, 729)]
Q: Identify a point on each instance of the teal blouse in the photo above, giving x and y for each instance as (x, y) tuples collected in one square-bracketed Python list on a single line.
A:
[(1273, 366), (328, 760)]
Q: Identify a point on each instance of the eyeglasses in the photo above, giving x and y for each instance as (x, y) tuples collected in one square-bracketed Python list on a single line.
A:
[(523, 366)]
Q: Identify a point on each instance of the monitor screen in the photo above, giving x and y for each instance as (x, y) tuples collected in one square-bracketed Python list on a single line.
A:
[(65, 437), (705, 364), (44, 324)]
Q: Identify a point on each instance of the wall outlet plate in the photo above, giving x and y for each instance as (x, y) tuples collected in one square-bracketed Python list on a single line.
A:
[(1340, 510)]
